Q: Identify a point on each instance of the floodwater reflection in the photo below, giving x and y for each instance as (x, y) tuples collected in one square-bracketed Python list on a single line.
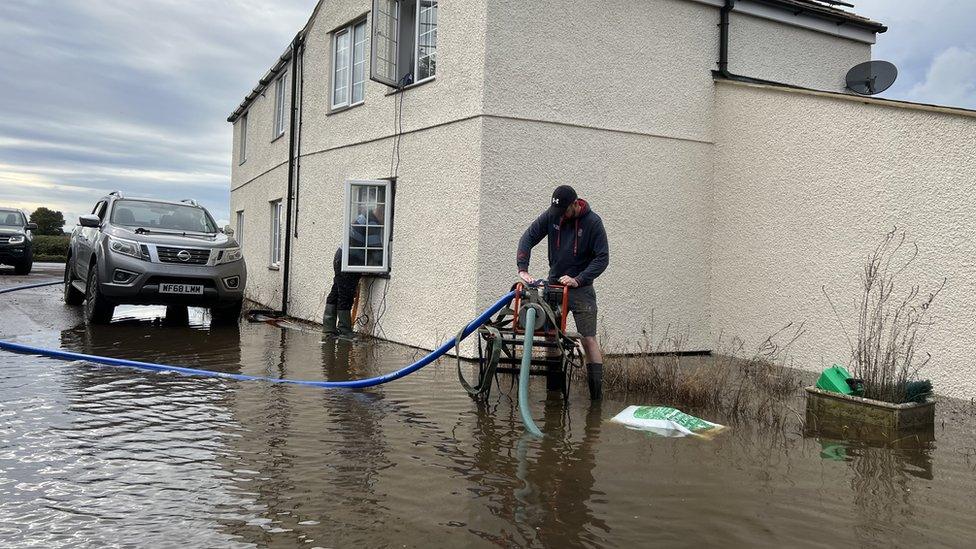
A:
[(100, 456)]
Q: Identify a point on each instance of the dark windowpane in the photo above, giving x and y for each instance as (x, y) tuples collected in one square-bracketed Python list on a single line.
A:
[(357, 257), (374, 258)]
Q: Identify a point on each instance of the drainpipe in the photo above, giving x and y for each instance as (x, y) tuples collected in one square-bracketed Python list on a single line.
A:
[(292, 131), (723, 39)]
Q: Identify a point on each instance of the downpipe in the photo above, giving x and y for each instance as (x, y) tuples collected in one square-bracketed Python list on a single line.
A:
[(725, 15)]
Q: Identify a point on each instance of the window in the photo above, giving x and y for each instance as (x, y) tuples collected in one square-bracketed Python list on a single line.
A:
[(366, 227), (239, 233), (280, 113), (242, 147), (161, 216), (404, 42), (99, 209), (349, 65), (275, 233)]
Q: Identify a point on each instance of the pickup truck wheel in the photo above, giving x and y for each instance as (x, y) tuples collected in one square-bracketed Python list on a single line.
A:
[(24, 267), (97, 308), (226, 313), (72, 296)]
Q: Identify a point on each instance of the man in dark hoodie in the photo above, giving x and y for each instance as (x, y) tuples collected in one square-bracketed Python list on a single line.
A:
[(578, 253), (337, 319)]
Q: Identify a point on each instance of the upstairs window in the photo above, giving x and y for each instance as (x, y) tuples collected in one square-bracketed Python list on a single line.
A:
[(366, 227), (242, 146), (280, 112), (349, 65), (404, 41)]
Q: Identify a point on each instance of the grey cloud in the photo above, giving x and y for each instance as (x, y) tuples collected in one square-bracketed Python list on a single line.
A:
[(117, 94)]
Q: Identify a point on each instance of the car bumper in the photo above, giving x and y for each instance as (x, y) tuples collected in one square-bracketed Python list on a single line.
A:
[(12, 254), (145, 278)]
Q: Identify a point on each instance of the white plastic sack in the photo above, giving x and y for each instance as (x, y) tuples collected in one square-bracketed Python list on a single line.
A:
[(666, 422)]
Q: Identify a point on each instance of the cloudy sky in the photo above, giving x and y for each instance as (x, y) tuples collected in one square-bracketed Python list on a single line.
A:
[(133, 94)]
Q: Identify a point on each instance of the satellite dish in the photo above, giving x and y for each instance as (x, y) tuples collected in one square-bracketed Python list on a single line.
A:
[(871, 78)]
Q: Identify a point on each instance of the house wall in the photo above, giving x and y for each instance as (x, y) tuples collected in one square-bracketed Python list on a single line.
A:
[(769, 50), (261, 178), (616, 98), (431, 289), (805, 187), (652, 195)]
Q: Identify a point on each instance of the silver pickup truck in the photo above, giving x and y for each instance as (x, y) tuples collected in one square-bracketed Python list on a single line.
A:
[(140, 251)]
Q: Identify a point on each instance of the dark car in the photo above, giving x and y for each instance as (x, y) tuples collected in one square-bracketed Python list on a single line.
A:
[(142, 251), (16, 240)]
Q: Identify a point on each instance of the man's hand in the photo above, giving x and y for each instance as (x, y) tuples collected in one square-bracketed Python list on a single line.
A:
[(567, 280), (526, 277)]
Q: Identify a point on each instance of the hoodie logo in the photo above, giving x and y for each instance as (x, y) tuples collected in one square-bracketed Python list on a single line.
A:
[(555, 201)]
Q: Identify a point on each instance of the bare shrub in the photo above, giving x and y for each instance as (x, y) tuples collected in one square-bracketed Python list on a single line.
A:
[(759, 385), (890, 325)]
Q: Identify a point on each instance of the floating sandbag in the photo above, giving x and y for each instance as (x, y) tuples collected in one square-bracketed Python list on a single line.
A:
[(666, 422)]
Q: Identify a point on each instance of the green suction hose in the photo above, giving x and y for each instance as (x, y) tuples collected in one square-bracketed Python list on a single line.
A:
[(523, 395)]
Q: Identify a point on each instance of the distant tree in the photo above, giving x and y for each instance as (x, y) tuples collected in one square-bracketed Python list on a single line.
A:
[(48, 221)]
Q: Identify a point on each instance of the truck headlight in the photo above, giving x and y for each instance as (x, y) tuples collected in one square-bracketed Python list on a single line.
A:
[(229, 255), (125, 247), (16, 239)]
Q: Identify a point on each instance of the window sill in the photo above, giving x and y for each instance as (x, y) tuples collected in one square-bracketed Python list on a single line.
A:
[(241, 163), (411, 86), (279, 136), (274, 267), (337, 110)]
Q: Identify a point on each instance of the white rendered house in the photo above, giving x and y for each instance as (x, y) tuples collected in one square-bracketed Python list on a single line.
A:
[(729, 196)]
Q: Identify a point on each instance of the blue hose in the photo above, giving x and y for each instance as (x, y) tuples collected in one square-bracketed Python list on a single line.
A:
[(353, 384)]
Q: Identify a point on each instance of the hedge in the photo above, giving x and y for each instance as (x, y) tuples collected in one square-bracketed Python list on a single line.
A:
[(51, 248)]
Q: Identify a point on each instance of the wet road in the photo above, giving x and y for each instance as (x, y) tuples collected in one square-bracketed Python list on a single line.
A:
[(93, 456)]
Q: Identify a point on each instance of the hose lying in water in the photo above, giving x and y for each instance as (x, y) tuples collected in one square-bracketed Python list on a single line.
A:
[(352, 384)]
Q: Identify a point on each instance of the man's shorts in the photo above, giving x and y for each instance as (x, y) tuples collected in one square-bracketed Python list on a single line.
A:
[(582, 303)]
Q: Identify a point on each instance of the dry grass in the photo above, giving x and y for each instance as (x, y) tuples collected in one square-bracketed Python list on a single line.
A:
[(740, 384), (890, 324)]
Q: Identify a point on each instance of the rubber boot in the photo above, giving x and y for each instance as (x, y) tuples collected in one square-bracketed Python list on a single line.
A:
[(344, 325), (329, 320), (594, 380)]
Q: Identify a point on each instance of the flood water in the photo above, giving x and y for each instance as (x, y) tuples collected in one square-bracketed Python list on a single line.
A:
[(94, 456)]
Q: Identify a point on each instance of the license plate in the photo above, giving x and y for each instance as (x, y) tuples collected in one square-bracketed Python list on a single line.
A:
[(185, 289)]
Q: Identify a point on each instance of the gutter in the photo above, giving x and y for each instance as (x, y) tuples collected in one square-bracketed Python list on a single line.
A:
[(297, 44)]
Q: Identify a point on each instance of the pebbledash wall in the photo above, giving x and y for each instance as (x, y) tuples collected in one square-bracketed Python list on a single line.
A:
[(616, 98), (805, 186)]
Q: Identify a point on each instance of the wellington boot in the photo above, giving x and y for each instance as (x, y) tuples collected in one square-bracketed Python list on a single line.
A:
[(329, 320), (594, 380), (344, 325)]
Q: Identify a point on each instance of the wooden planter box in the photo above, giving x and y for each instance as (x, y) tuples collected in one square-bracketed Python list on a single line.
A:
[(842, 416)]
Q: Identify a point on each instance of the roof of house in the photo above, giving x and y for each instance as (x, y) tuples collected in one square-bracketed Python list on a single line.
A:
[(278, 66), (823, 8), (829, 9)]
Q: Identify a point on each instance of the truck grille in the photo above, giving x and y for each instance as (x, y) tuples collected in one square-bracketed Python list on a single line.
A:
[(4, 239), (172, 255)]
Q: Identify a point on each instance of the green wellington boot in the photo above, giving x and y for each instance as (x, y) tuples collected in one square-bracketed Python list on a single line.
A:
[(329, 320), (344, 327)]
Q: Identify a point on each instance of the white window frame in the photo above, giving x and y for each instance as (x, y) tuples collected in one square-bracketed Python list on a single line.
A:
[(348, 31), (387, 15), (280, 120), (416, 43), (239, 235), (242, 146), (274, 255), (387, 225)]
